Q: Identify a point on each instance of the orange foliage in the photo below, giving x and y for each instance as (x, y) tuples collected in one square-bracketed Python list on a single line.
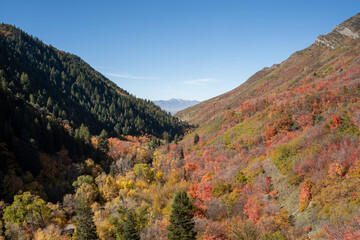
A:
[(335, 121), (305, 194), (253, 208)]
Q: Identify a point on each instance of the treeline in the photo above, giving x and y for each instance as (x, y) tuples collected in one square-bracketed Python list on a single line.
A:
[(68, 88)]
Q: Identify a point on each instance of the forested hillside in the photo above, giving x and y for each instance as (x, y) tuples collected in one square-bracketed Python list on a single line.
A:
[(70, 89), (38, 152)]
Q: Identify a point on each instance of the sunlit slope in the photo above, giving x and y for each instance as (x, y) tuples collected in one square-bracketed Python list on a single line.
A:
[(317, 68), (282, 150)]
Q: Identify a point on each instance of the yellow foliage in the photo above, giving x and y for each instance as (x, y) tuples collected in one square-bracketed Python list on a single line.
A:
[(272, 223), (108, 187), (52, 232), (143, 155), (101, 222), (129, 184), (173, 177), (337, 197), (231, 199), (57, 215), (92, 167), (207, 177), (159, 175), (134, 193), (141, 184)]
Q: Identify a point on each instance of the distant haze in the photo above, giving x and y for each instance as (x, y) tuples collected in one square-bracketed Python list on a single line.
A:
[(174, 105)]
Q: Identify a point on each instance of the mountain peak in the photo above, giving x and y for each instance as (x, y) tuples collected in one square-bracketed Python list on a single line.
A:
[(349, 28)]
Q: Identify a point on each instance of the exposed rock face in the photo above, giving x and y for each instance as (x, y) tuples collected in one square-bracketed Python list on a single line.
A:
[(346, 31), (349, 28), (330, 40)]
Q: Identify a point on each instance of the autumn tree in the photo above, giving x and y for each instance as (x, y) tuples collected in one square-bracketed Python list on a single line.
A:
[(181, 218), (253, 208), (27, 210)]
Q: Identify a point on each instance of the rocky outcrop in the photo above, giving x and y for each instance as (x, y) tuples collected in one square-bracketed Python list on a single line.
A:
[(330, 40), (349, 28), (346, 31)]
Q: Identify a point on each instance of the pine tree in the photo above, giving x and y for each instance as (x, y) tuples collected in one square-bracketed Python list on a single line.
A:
[(181, 154), (181, 218), (85, 226), (130, 229), (196, 139), (103, 142), (24, 80)]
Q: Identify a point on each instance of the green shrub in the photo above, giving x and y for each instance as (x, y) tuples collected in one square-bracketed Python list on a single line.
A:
[(220, 189), (283, 157)]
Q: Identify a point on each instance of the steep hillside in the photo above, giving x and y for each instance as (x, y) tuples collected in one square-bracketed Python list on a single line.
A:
[(39, 153), (68, 88), (282, 151), (314, 65)]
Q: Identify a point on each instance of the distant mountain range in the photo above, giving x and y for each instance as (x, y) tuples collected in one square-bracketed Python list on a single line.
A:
[(174, 105)]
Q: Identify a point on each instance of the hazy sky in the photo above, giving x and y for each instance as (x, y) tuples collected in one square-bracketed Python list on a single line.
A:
[(190, 49)]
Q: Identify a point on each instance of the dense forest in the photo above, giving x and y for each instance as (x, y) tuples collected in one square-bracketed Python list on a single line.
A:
[(68, 88), (276, 158), (37, 151)]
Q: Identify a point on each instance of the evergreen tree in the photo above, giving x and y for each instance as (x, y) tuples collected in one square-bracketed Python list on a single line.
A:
[(103, 142), (84, 134), (167, 137), (196, 139), (130, 228), (24, 80), (85, 226), (118, 129), (181, 218), (181, 154), (176, 139)]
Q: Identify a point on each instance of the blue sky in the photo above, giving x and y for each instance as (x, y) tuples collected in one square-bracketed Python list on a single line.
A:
[(190, 49)]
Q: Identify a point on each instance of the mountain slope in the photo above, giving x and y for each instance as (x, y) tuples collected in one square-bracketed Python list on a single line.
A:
[(282, 150), (312, 65), (67, 87), (174, 105), (38, 152)]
